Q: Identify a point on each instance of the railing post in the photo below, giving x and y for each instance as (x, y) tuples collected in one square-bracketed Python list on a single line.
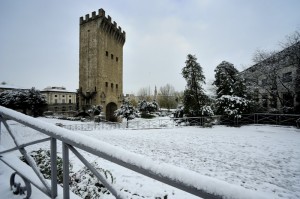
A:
[(53, 155), (65, 155)]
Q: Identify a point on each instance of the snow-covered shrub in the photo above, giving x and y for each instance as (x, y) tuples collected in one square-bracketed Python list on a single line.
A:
[(95, 110), (43, 162), (206, 111), (233, 106), (178, 113), (147, 108), (82, 183), (126, 111), (85, 184)]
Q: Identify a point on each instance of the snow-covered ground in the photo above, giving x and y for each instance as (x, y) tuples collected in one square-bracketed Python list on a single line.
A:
[(258, 157)]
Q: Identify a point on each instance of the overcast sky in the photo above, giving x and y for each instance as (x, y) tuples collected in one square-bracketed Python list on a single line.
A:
[(39, 40)]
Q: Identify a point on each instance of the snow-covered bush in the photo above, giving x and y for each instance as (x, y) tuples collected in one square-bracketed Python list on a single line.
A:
[(82, 183), (95, 110), (147, 108), (150, 107), (126, 111), (85, 184), (233, 106), (206, 111), (178, 113), (43, 162)]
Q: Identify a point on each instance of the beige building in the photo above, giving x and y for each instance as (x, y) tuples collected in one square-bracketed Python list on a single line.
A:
[(100, 63), (59, 99)]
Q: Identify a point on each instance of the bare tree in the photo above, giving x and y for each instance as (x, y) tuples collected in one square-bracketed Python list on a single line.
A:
[(271, 73), (166, 97), (144, 94)]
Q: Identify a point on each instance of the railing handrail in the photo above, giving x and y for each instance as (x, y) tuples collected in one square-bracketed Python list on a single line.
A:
[(186, 180)]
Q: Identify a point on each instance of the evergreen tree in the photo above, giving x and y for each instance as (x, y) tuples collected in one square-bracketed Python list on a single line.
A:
[(35, 101), (127, 111), (24, 100), (194, 97), (228, 81), (231, 91)]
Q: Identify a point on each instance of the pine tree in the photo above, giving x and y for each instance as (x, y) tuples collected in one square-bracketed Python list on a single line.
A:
[(231, 91), (194, 97), (228, 80)]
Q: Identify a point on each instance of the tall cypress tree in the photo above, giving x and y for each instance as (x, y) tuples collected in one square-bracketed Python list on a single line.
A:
[(194, 97)]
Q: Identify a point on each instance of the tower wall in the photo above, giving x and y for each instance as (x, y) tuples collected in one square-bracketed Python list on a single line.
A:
[(100, 61)]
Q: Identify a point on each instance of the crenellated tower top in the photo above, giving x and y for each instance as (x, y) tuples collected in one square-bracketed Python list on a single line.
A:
[(106, 24)]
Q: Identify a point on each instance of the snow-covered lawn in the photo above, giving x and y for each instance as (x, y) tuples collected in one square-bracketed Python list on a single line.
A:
[(258, 157)]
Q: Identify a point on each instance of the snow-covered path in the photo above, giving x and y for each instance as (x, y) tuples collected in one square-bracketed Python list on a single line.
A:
[(263, 158)]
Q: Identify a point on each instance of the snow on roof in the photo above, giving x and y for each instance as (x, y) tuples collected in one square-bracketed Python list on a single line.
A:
[(7, 86), (57, 89)]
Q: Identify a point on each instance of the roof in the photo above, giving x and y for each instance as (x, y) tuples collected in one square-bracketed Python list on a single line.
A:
[(57, 89), (7, 86)]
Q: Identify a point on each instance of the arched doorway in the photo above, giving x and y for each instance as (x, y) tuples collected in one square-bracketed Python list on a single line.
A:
[(110, 112)]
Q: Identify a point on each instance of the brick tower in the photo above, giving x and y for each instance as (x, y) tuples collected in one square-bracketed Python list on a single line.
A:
[(100, 63)]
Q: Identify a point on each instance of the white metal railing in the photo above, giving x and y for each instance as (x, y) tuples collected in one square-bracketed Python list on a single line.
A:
[(189, 181)]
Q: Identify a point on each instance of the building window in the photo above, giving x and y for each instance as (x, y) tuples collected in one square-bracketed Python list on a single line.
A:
[(63, 108), (106, 53), (70, 96), (70, 101), (55, 95), (112, 85), (117, 86), (63, 96), (55, 101), (287, 77), (117, 59), (112, 56), (106, 84), (63, 101)]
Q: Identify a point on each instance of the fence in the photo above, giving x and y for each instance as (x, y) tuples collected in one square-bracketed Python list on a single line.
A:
[(191, 182), (257, 118)]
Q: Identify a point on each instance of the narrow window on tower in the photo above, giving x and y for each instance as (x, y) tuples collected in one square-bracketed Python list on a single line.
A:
[(112, 85), (106, 84), (112, 56), (106, 53), (117, 59), (116, 86)]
